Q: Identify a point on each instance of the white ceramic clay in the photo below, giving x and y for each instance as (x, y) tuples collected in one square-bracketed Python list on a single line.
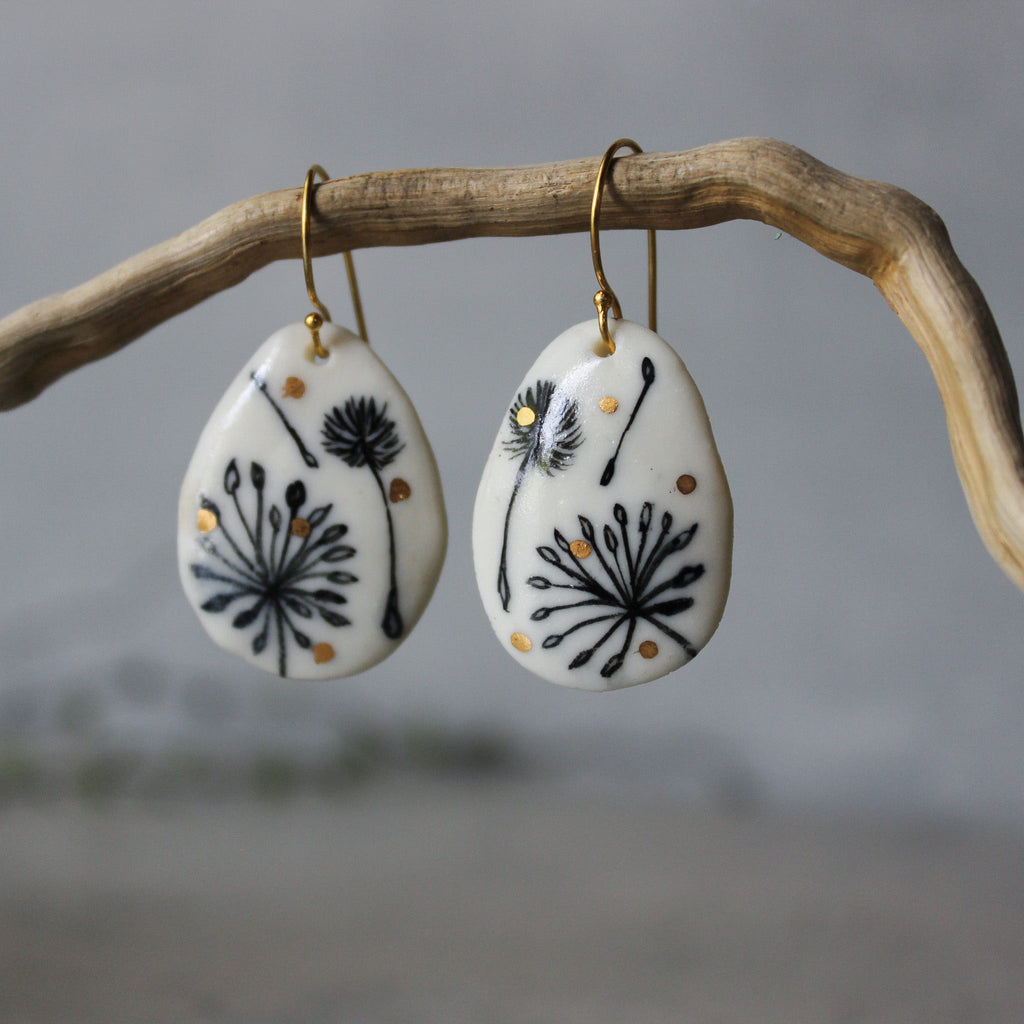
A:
[(602, 531), (311, 524)]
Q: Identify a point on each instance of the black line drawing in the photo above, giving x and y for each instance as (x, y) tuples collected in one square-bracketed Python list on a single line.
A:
[(622, 586), (307, 456), (546, 441), (283, 583), (360, 434), (647, 371)]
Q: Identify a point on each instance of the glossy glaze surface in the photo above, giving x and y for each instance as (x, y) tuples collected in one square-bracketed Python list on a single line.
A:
[(311, 524), (602, 530)]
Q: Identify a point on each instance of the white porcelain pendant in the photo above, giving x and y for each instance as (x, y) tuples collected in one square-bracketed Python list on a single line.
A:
[(602, 532), (311, 524)]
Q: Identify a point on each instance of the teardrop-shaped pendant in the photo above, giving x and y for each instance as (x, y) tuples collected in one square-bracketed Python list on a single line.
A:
[(602, 531), (311, 523)]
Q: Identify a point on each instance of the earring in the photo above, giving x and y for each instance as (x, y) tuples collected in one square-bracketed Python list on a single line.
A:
[(311, 524), (602, 530)]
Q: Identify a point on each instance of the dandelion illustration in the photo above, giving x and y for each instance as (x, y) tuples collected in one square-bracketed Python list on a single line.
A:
[(281, 565), (545, 432), (627, 584), (307, 456), (360, 434), (647, 372)]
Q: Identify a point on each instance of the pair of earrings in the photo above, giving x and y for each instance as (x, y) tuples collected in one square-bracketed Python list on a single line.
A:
[(312, 527)]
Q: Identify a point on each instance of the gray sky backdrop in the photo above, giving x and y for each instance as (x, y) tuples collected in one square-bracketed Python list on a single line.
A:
[(870, 644)]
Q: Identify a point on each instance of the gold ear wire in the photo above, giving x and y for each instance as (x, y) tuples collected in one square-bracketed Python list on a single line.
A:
[(605, 300), (316, 320)]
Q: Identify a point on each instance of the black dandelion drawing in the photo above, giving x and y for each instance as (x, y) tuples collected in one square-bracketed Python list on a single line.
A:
[(626, 585), (360, 434), (283, 565), (647, 372), (545, 432), (307, 456)]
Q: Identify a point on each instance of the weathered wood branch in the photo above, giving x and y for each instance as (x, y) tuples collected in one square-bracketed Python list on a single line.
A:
[(873, 228)]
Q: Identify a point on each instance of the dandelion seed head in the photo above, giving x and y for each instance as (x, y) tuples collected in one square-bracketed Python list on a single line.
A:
[(361, 434), (628, 578)]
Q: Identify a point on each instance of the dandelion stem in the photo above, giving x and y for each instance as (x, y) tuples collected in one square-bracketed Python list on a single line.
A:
[(647, 370), (504, 590), (282, 665), (392, 623), (307, 456)]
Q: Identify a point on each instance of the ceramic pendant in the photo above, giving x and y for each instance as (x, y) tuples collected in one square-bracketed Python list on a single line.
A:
[(311, 524), (602, 532)]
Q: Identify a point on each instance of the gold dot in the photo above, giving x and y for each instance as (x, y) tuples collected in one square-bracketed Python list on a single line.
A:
[(648, 649), (294, 387), (322, 653), (686, 484), (521, 642), (525, 416), (301, 527), (206, 520), (314, 321), (399, 490), (608, 404), (580, 548)]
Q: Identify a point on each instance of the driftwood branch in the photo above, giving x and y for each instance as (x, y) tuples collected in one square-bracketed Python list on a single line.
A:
[(873, 228)]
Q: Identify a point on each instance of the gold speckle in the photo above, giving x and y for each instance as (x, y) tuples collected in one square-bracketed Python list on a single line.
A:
[(399, 490), (686, 484), (301, 527), (206, 520), (294, 387), (525, 416), (521, 642), (322, 653), (608, 404), (648, 649), (580, 548)]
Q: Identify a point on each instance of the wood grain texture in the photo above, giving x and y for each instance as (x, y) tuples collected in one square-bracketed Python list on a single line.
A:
[(873, 228)]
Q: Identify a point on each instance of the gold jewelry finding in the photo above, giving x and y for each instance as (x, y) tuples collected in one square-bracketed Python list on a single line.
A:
[(605, 300), (316, 320)]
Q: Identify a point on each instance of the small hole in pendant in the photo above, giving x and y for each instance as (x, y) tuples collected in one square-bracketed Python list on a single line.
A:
[(313, 358)]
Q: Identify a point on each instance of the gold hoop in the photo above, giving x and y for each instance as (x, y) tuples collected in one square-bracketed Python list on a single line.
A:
[(316, 320), (605, 300)]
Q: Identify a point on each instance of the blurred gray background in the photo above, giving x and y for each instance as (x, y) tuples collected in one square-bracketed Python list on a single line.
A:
[(871, 653)]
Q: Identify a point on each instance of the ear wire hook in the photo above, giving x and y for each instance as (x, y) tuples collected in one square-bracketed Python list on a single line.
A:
[(605, 300), (316, 320)]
